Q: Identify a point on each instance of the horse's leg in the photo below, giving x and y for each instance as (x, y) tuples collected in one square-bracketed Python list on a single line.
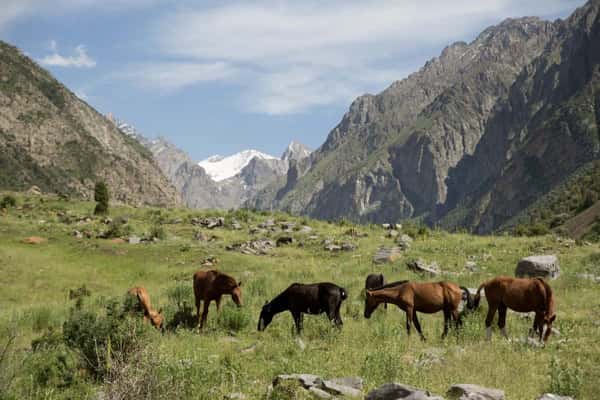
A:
[(418, 325), (198, 301), (204, 313), (409, 318), (218, 301), (489, 319), (538, 324), (502, 320), (457, 319), (446, 322), (297, 320), (338, 317)]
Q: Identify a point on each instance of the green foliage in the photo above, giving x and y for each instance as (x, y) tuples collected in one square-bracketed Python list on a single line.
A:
[(119, 227), (157, 231), (8, 201), (233, 319), (52, 363), (102, 197), (565, 380), (99, 338), (535, 229)]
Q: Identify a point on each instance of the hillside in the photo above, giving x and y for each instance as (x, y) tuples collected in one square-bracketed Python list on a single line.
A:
[(54, 140), (231, 356), (470, 140)]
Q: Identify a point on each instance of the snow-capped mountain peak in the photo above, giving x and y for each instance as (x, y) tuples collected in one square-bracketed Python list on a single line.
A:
[(220, 168), (295, 151)]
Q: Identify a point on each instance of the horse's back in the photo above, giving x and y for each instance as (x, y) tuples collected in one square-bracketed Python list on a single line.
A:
[(518, 294), (203, 280), (142, 296)]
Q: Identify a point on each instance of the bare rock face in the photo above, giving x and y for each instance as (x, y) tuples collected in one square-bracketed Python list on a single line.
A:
[(538, 266), (550, 396), (397, 391), (52, 139)]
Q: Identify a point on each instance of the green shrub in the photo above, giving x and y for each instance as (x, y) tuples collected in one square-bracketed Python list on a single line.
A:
[(117, 228), (100, 338), (233, 318), (101, 197), (157, 231), (53, 364), (565, 380), (8, 201)]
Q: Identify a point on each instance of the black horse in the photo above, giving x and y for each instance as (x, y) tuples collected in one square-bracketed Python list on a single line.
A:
[(298, 299), (375, 281)]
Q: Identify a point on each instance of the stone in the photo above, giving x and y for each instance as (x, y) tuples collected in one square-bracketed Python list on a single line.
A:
[(133, 239), (34, 190), (34, 240), (341, 390), (332, 247), (301, 344), (209, 261), (253, 247), (257, 231), (284, 240), (405, 242), (387, 255), (550, 396), (305, 229), (348, 246), (355, 382), (392, 233), (236, 226), (545, 266), (590, 277), (398, 391), (236, 396), (430, 357), (319, 393), (77, 234), (420, 266), (306, 380), (471, 266), (355, 233), (474, 392)]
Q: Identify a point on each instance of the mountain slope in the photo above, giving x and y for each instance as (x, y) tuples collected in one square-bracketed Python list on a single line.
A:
[(546, 129), (52, 139), (389, 157)]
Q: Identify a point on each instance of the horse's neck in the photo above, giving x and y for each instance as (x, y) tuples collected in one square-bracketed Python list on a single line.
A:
[(279, 304), (388, 295)]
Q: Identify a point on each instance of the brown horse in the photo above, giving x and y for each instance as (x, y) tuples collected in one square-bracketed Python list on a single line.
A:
[(210, 285), (413, 297), (521, 295), (155, 317)]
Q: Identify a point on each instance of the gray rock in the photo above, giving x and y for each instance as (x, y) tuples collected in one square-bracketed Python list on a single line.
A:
[(474, 392), (332, 247), (355, 382), (420, 266), (134, 239), (348, 246), (398, 391), (340, 390), (306, 380), (550, 396), (392, 233), (471, 266), (405, 242), (77, 234), (305, 229), (319, 393), (387, 255), (235, 396), (538, 266)]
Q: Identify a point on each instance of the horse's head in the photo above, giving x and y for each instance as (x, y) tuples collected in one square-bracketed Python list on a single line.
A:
[(370, 304), (548, 320), (156, 318), (236, 294), (265, 318)]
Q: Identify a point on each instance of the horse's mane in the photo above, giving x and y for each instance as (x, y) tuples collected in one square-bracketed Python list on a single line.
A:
[(391, 284), (549, 297), (224, 279)]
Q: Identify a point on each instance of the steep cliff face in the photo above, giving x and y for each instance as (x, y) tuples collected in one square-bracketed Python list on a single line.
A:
[(546, 129), (52, 139), (390, 155)]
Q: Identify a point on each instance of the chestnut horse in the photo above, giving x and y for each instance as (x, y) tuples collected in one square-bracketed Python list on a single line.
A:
[(210, 285), (413, 297), (521, 295), (155, 317)]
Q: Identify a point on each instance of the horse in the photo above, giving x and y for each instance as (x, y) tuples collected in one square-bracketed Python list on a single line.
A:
[(413, 297), (301, 298), (375, 281), (155, 317), (211, 285), (521, 295)]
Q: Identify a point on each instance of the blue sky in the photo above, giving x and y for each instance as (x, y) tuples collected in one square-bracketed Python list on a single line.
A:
[(217, 77)]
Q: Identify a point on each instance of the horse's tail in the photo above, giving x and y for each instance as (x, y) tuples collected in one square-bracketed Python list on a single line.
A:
[(549, 300), (343, 294), (477, 297), (468, 297)]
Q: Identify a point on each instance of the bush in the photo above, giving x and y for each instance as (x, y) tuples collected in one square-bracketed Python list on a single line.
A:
[(157, 231), (117, 228), (101, 197), (52, 363), (233, 318), (180, 306), (565, 380), (8, 201), (100, 338)]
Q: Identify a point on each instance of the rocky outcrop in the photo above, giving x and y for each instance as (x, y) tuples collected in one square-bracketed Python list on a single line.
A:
[(54, 140), (538, 266), (474, 392), (398, 391)]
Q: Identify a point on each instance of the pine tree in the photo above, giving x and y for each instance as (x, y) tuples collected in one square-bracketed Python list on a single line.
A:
[(101, 197)]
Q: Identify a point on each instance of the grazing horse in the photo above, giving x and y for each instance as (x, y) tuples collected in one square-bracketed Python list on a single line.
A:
[(211, 285), (521, 295), (375, 281), (155, 317), (413, 297), (299, 298)]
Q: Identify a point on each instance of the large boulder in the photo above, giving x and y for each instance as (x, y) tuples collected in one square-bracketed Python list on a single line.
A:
[(550, 396), (398, 391), (387, 255), (538, 266), (420, 266), (474, 392), (350, 387)]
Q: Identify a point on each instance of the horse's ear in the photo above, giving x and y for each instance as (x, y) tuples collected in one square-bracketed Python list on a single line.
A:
[(266, 302), (160, 310), (552, 318), (240, 283)]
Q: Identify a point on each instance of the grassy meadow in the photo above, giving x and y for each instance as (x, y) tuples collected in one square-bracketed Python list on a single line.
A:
[(230, 356)]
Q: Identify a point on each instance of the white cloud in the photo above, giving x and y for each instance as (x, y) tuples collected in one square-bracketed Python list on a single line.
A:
[(290, 56), (170, 76), (80, 59)]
